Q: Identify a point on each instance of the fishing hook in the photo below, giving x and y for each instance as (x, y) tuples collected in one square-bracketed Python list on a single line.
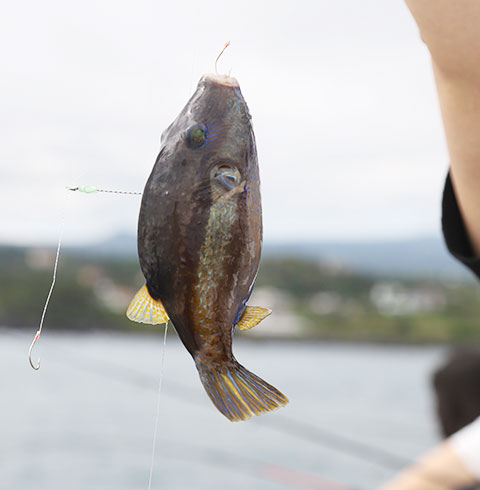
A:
[(47, 301), (227, 44), (37, 367), (87, 190)]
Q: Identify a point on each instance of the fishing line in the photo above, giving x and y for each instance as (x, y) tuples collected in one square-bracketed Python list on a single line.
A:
[(157, 416), (222, 458), (295, 428), (129, 376), (54, 278), (287, 425), (89, 189), (227, 44), (92, 190), (283, 424)]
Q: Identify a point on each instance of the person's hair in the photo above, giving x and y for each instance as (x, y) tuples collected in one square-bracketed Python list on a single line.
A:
[(457, 389)]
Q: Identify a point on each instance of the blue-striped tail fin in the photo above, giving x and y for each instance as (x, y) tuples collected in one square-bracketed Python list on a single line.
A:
[(236, 392)]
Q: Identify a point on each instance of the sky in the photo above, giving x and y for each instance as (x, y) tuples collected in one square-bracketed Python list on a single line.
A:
[(342, 96)]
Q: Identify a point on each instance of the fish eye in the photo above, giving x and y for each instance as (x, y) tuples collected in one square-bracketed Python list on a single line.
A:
[(227, 176), (196, 136)]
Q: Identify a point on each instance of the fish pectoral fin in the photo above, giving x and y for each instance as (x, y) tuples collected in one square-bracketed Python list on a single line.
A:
[(253, 316), (144, 309)]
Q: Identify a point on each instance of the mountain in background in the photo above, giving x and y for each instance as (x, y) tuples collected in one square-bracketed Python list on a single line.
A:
[(413, 257), (408, 290), (425, 256)]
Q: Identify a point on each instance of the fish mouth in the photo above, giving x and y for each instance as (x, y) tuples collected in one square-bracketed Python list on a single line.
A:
[(221, 80)]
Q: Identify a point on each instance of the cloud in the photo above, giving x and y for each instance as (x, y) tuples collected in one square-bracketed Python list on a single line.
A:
[(341, 93)]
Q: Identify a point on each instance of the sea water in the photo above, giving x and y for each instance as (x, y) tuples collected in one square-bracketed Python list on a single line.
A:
[(86, 419)]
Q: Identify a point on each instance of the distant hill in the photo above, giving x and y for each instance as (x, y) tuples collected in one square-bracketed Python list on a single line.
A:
[(425, 256), (394, 291), (414, 257), (117, 246)]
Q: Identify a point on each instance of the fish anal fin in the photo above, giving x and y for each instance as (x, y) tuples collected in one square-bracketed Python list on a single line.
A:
[(144, 309), (253, 316)]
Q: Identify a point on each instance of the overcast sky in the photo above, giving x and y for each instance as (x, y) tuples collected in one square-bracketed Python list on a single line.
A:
[(342, 96)]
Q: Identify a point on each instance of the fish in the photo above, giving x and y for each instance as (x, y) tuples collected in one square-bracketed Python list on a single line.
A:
[(200, 240)]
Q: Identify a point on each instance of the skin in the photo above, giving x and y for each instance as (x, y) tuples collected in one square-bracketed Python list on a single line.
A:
[(200, 229), (438, 470), (450, 30)]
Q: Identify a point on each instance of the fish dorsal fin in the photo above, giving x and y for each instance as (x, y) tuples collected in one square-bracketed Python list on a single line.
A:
[(144, 309), (253, 316)]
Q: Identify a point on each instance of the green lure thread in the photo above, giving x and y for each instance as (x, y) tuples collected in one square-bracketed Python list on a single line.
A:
[(87, 189), (91, 189)]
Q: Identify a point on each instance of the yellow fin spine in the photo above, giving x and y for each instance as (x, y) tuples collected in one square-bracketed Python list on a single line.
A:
[(252, 317), (236, 392), (144, 309)]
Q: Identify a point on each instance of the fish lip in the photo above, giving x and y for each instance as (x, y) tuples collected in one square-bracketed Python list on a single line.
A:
[(219, 79)]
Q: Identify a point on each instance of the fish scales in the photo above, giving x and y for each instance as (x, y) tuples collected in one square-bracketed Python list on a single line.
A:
[(200, 238)]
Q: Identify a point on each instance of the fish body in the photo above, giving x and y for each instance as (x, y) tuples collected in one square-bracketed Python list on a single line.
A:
[(200, 239)]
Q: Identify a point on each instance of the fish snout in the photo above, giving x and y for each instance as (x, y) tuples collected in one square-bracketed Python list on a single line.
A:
[(223, 80)]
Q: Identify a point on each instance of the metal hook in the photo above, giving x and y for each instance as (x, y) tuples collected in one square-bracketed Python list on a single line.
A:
[(39, 331), (37, 367), (227, 44)]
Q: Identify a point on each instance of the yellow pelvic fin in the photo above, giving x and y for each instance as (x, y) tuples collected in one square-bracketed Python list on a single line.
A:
[(253, 316), (144, 309)]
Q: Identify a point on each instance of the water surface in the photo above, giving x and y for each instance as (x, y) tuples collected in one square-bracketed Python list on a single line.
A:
[(86, 419)]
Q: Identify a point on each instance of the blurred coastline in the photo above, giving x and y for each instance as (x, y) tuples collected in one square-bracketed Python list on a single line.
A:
[(411, 293)]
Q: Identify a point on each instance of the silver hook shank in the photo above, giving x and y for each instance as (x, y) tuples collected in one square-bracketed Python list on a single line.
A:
[(37, 367)]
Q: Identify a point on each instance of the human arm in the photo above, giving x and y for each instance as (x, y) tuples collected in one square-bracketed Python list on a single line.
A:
[(451, 31), (440, 469), (450, 28)]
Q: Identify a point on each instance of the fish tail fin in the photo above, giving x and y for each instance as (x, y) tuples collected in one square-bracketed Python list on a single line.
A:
[(236, 392)]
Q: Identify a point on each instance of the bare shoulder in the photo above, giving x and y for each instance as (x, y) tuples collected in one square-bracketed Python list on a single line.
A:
[(450, 30)]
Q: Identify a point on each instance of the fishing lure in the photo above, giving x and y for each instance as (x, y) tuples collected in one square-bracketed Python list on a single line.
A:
[(200, 239)]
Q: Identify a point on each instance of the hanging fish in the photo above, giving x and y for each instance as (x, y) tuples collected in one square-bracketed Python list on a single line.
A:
[(199, 242)]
